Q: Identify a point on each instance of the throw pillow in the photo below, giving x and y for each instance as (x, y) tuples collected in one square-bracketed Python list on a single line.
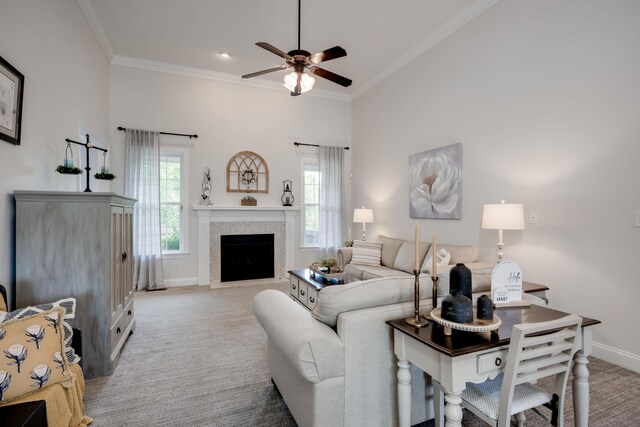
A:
[(443, 257), (68, 304), (33, 350), (406, 259), (390, 248), (366, 253)]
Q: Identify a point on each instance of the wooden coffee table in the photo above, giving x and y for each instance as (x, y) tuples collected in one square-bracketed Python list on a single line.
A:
[(304, 288)]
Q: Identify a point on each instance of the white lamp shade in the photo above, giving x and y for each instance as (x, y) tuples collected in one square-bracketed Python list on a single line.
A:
[(363, 215), (306, 82), (502, 216)]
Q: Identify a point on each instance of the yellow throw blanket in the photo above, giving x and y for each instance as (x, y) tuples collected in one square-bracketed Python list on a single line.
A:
[(65, 405)]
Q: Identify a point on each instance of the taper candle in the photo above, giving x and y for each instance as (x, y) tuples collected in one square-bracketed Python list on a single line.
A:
[(434, 261), (417, 244), (349, 234)]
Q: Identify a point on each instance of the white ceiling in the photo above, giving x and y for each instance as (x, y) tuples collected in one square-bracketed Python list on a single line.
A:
[(380, 36)]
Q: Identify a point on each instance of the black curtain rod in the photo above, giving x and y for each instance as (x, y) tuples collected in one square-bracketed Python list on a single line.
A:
[(297, 144), (167, 133)]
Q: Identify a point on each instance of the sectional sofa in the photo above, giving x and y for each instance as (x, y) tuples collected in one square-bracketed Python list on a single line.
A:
[(335, 366)]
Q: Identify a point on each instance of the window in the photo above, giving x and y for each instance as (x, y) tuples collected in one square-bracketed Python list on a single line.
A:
[(172, 201), (311, 212)]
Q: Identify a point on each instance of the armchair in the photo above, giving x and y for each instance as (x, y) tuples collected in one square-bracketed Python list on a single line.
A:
[(64, 403)]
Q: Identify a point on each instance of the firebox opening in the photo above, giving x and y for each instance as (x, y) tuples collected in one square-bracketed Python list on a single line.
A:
[(246, 257)]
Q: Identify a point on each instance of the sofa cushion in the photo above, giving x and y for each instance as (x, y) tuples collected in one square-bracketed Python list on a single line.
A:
[(33, 348), (390, 248), (333, 300), (378, 272), (465, 254), (406, 259), (366, 253), (68, 304)]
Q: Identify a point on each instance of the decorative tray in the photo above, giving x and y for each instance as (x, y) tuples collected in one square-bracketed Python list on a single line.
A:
[(325, 275), (478, 325)]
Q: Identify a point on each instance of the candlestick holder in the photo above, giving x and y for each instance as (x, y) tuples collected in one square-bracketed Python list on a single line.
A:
[(434, 292), (417, 320)]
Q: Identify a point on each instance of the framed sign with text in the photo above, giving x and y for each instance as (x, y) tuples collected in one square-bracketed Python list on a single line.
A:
[(506, 285)]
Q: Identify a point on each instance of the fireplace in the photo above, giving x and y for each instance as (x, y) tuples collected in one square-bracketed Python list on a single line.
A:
[(246, 257), (217, 221)]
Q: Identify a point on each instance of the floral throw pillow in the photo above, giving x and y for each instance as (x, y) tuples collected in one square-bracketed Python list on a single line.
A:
[(69, 306), (32, 354)]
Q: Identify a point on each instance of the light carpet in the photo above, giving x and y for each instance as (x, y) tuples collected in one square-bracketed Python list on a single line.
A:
[(198, 358)]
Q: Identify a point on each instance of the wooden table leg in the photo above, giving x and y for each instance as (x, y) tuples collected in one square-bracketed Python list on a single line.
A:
[(404, 393), (581, 389), (438, 403), (453, 410)]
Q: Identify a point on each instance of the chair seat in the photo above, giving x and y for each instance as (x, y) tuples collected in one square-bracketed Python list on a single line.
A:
[(486, 397)]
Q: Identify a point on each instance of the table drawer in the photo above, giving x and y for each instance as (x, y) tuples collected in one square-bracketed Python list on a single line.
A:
[(312, 297), (495, 360), (294, 287), (303, 292)]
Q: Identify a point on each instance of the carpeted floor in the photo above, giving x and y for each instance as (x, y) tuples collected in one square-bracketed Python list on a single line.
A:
[(198, 358)]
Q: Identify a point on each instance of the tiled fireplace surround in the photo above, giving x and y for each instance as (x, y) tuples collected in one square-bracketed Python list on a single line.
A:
[(214, 221)]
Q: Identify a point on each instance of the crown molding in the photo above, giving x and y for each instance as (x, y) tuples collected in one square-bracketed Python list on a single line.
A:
[(199, 73), (90, 14), (449, 28)]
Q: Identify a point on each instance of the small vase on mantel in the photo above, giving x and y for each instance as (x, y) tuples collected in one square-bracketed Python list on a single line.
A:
[(460, 279)]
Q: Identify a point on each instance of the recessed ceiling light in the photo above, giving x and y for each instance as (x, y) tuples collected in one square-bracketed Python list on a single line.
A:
[(225, 55)]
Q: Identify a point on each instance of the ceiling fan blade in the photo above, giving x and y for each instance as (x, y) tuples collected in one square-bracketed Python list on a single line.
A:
[(270, 70), (327, 55), (336, 78), (273, 49)]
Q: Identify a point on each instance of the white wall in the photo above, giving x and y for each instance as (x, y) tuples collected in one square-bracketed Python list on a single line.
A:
[(228, 119), (545, 98), (66, 83)]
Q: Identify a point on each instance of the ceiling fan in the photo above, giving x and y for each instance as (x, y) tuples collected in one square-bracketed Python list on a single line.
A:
[(298, 81)]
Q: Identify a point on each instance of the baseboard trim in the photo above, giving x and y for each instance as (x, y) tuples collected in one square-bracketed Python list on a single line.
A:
[(617, 357), (175, 283)]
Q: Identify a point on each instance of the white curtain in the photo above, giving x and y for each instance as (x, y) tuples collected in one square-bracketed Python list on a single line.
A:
[(331, 202), (142, 182)]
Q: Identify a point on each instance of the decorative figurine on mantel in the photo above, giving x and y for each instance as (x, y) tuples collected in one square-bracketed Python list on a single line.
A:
[(206, 187)]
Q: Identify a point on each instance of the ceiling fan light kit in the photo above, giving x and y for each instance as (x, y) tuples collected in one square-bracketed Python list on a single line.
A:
[(299, 82), (306, 82)]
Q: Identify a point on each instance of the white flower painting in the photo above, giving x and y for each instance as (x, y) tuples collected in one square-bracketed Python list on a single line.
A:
[(435, 183)]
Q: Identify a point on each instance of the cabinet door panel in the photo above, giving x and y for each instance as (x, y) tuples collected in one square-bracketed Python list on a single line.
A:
[(116, 292)]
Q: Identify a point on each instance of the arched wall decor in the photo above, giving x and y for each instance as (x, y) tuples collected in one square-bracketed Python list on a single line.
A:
[(247, 172)]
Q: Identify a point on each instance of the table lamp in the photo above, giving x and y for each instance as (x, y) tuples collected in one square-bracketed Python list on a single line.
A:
[(364, 216), (502, 216)]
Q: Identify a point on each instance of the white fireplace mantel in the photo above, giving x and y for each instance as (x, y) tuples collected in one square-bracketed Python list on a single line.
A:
[(210, 213)]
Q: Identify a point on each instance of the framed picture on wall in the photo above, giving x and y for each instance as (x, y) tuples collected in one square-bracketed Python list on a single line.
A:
[(11, 88), (435, 183)]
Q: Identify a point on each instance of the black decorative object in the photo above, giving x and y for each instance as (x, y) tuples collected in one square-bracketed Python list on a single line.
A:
[(287, 195), (485, 308), (457, 308), (460, 278)]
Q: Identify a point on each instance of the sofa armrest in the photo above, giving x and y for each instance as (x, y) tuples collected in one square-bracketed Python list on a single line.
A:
[(311, 347), (344, 256)]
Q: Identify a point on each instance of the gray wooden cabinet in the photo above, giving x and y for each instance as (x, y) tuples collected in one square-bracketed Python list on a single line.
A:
[(79, 245)]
